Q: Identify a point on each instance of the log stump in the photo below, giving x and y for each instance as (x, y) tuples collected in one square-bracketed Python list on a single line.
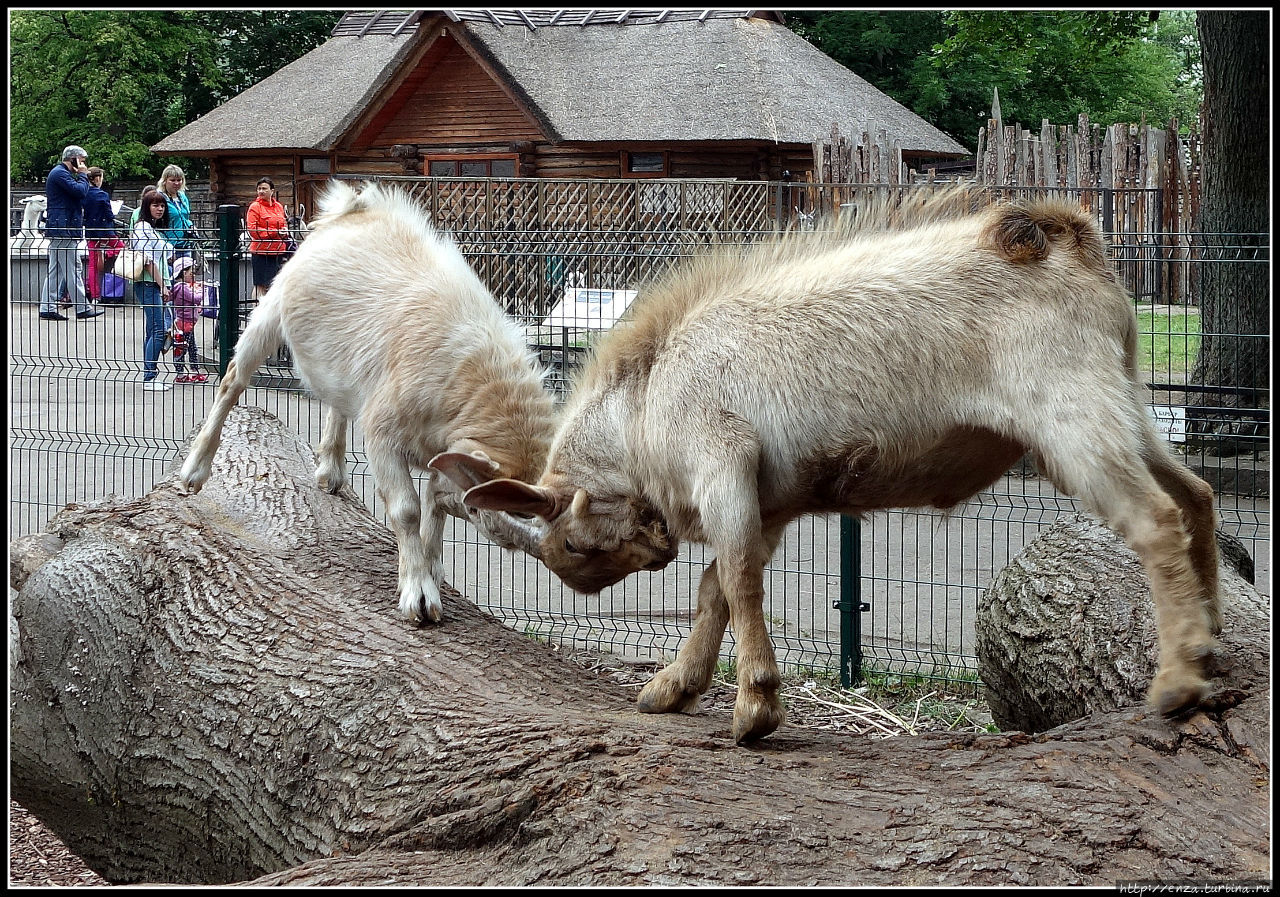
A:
[(1068, 627)]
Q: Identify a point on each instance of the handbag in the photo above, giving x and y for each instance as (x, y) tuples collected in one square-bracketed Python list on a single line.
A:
[(210, 309), (112, 286), (130, 264)]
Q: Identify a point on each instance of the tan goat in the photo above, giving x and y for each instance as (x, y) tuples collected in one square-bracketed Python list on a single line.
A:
[(388, 324), (907, 361)]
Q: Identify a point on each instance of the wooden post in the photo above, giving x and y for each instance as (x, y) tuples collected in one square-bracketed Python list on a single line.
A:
[(1048, 155), (1072, 180), (1019, 178), (979, 159)]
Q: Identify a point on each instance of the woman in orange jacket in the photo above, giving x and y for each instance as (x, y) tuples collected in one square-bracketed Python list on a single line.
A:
[(268, 229)]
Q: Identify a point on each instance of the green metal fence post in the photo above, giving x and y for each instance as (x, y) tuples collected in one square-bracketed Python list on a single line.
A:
[(228, 284), (850, 603)]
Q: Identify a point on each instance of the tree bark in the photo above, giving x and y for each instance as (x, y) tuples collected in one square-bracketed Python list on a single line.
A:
[(1068, 628), (218, 688), (1235, 301)]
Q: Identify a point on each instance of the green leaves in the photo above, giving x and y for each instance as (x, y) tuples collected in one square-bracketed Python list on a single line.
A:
[(116, 82), (1114, 66)]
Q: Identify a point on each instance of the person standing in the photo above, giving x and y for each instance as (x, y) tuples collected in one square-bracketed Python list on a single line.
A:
[(142, 199), (188, 297), (152, 286), (268, 228), (99, 231), (173, 186), (65, 189)]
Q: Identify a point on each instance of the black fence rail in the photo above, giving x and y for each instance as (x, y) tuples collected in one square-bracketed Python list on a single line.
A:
[(901, 586)]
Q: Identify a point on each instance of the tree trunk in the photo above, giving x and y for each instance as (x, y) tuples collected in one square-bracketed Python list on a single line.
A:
[(218, 687), (1068, 628), (1235, 298)]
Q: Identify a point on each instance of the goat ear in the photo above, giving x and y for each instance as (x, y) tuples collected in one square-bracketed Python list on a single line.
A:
[(465, 470), (513, 496)]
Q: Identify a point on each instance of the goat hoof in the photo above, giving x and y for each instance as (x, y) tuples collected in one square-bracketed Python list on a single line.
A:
[(667, 694), (191, 483), (330, 484), (421, 610), (754, 718), (1172, 694), (1214, 610)]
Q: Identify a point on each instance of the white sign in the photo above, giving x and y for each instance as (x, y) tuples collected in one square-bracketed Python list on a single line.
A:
[(589, 309), (1171, 421)]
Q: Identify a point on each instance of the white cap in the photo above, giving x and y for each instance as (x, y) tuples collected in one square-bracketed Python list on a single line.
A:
[(182, 264)]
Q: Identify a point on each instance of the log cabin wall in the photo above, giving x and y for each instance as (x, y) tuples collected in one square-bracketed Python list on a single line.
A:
[(235, 178), (741, 161)]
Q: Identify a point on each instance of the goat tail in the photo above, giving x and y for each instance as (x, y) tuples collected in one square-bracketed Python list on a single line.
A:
[(1026, 233), (339, 198)]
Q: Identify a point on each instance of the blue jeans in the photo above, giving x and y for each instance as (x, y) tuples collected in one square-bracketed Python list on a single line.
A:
[(148, 295), (66, 274)]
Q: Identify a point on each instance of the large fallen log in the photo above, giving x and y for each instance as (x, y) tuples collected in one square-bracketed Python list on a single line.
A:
[(218, 688)]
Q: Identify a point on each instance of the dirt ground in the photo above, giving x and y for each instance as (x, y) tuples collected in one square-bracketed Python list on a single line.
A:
[(38, 858)]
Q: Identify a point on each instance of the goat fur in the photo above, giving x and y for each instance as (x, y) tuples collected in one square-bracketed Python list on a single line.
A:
[(904, 360), (390, 326)]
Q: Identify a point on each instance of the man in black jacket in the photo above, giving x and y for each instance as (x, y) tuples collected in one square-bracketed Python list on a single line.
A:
[(66, 189)]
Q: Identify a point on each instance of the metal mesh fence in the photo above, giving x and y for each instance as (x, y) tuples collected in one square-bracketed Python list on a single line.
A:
[(81, 428)]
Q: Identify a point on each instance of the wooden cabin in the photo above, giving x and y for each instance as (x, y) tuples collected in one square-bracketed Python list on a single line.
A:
[(546, 94)]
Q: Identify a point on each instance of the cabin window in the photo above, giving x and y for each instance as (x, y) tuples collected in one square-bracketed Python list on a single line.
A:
[(318, 165), (472, 167), (644, 165)]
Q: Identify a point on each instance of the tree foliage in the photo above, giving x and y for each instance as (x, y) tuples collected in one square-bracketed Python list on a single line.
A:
[(116, 82), (1114, 66)]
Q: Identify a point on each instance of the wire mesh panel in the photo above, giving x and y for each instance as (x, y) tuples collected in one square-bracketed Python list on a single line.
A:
[(82, 428)]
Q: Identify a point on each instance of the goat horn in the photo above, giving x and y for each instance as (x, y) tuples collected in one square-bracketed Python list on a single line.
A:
[(522, 534), (510, 530)]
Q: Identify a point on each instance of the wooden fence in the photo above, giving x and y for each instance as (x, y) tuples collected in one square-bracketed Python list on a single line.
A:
[(1142, 181)]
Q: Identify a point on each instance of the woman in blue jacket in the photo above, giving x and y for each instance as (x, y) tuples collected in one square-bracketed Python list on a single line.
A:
[(173, 185), (99, 231)]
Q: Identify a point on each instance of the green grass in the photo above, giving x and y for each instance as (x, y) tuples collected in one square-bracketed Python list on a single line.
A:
[(1168, 342)]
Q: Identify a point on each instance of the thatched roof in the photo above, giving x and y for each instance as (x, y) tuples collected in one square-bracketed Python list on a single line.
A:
[(621, 75), (308, 105)]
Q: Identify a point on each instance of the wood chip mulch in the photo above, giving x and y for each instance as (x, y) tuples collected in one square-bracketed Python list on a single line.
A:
[(37, 858)]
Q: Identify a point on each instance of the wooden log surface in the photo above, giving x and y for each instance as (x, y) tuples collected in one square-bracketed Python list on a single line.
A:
[(1068, 628), (218, 688)]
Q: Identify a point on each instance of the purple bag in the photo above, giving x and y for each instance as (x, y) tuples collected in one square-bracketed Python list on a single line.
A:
[(210, 309), (112, 286)]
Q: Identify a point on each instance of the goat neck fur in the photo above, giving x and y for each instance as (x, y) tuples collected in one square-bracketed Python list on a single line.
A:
[(389, 325), (905, 359)]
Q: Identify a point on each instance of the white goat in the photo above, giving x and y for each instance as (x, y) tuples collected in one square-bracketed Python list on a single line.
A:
[(908, 362), (29, 240), (388, 324)]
